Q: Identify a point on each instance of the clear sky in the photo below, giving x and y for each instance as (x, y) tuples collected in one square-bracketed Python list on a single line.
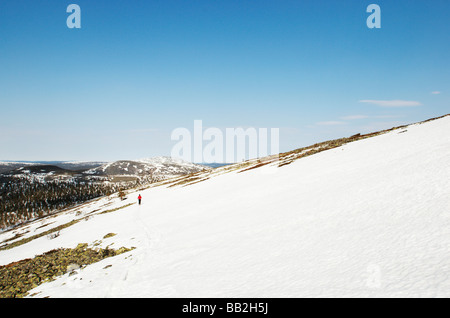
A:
[(117, 87)]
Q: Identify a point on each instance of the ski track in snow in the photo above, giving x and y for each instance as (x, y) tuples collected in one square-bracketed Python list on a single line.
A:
[(368, 219)]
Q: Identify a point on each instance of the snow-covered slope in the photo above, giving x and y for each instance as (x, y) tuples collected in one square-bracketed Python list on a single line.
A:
[(370, 218)]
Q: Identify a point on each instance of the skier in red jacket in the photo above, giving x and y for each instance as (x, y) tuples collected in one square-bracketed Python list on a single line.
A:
[(139, 199)]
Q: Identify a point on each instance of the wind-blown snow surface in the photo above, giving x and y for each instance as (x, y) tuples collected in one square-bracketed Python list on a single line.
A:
[(371, 218)]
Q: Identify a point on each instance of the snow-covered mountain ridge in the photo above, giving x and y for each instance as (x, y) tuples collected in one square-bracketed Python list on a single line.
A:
[(151, 169), (364, 216), (159, 167)]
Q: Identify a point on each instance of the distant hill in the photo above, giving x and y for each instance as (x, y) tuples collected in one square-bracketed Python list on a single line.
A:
[(6, 166), (158, 168)]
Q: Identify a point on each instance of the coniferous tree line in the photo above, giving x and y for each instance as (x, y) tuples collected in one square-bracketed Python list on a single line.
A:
[(22, 200)]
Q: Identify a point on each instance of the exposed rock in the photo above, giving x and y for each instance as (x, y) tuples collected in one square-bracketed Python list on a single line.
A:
[(17, 278)]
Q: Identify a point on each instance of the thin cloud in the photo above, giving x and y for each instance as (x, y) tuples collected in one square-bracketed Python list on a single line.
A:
[(144, 130), (392, 103), (330, 123), (354, 117), (436, 92), (388, 116)]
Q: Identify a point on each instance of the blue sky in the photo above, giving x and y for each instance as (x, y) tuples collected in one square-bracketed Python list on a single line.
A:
[(136, 70)]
